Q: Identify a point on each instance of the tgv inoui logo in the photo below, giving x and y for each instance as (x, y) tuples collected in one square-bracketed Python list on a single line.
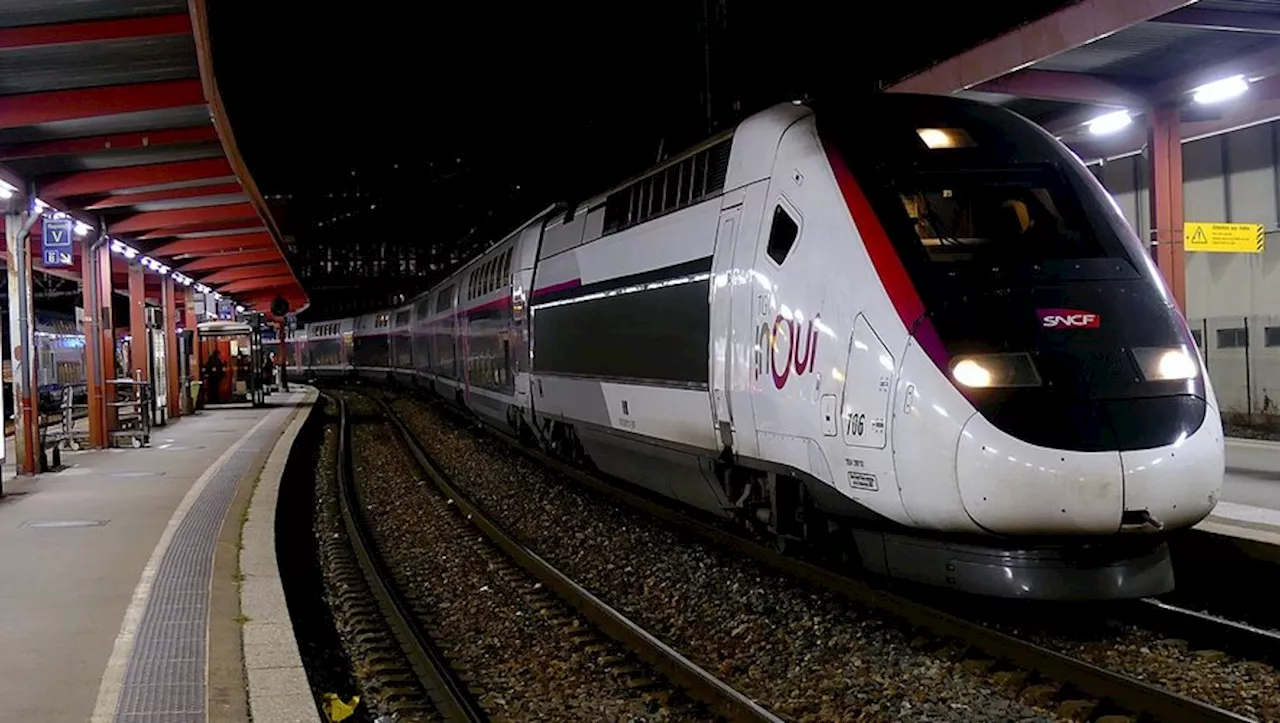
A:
[(1068, 319)]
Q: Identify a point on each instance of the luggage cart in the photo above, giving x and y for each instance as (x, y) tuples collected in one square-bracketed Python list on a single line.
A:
[(67, 436), (132, 400)]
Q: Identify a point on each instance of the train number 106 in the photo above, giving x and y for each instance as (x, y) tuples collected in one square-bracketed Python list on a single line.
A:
[(855, 425)]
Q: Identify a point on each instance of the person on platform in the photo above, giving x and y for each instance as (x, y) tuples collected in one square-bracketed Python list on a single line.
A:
[(269, 372), (214, 371)]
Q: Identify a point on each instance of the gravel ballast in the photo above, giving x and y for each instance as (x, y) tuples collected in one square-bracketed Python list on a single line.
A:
[(385, 679), (1249, 688), (515, 654), (802, 653)]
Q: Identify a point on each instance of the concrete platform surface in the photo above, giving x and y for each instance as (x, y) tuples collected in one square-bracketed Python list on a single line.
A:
[(276, 678), (75, 544)]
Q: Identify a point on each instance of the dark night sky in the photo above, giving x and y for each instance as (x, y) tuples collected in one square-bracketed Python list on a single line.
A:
[(471, 100)]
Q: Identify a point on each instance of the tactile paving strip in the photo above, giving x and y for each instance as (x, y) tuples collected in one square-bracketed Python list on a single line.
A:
[(165, 678)]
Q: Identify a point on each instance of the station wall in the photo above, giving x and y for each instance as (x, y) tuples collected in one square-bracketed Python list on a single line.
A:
[(1233, 299)]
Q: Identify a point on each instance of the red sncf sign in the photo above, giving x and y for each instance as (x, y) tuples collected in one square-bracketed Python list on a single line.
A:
[(1068, 319)]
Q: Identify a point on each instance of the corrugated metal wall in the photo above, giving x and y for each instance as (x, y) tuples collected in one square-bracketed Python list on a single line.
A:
[(1233, 300)]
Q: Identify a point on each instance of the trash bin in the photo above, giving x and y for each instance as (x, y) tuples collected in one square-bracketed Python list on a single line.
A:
[(195, 394)]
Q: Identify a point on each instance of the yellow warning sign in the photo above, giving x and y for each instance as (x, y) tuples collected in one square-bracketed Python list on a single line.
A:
[(1233, 238)]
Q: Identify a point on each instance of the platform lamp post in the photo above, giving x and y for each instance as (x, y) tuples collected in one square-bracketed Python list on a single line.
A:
[(280, 308), (21, 214)]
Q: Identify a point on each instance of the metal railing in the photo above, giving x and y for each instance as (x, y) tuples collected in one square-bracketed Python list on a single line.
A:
[(1242, 356)]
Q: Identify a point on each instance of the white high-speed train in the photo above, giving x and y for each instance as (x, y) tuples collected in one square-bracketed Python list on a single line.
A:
[(919, 330)]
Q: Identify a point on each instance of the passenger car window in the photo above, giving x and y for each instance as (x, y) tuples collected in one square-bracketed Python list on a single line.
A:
[(782, 235)]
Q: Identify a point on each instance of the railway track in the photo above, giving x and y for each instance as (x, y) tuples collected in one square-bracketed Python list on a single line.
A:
[(560, 600), (1207, 629), (432, 671), (1111, 689)]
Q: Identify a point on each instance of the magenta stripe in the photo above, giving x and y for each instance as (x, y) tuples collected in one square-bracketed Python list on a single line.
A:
[(506, 300), (562, 286)]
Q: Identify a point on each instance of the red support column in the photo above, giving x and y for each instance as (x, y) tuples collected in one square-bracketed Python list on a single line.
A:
[(170, 304), (107, 341), (94, 255), (1166, 201), (138, 324)]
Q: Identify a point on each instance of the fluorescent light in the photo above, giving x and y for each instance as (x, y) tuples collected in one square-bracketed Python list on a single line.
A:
[(1220, 90), (82, 228), (124, 249), (1110, 123)]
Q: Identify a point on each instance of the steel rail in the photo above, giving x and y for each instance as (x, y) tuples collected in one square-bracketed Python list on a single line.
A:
[(437, 677), (705, 687), (1223, 634)]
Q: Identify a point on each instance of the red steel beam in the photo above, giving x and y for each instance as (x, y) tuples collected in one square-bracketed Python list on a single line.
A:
[(214, 244), (114, 179), (98, 144), (1232, 21), (224, 228), (1261, 64), (269, 282), (121, 200), (183, 217), (29, 109), (237, 259), (242, 273), (221, 120), (94, 31), (1068, 28), (1241, 115), (1264, 66), (1060, 86)]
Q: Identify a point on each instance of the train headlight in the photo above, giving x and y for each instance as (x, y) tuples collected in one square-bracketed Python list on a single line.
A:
[(1166, 364), (986, 371)]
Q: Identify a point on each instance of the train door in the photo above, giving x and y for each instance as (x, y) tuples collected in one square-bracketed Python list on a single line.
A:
[(799, 356), (731, 334)]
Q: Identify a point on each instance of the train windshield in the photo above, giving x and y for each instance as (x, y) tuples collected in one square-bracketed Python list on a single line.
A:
[(995, 216), (971, 193)]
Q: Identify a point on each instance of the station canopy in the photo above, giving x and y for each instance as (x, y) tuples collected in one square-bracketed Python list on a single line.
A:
[(1089, 72), (110, 110)]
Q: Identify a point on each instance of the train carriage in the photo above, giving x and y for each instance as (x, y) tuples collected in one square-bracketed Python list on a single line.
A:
[(401, 345), (919, 332), (328, 350)]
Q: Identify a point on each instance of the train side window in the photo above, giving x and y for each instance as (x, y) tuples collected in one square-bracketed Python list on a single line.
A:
[(782, 235), (1272, 336)]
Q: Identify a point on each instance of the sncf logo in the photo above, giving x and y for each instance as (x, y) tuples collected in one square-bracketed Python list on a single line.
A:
[(1068, 319)]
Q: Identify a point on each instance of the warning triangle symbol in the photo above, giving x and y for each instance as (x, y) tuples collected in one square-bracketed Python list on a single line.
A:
[(1199, 237)]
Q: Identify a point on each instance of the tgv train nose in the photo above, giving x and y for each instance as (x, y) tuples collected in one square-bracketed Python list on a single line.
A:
[(1013, 487)]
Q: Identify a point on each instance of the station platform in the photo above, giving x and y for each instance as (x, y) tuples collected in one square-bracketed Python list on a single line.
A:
[(120, 601), (1249, 507)]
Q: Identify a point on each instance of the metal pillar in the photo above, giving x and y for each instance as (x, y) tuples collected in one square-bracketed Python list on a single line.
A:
[(23, 361), (138, 362), (1165, 142), (189, 322), (170, 306), (94, 254), (284, 359)]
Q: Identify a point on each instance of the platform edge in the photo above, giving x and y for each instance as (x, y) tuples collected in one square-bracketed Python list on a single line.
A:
[(278, 688)]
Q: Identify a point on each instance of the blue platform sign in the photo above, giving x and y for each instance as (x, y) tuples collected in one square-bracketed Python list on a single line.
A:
[(57, 241)]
